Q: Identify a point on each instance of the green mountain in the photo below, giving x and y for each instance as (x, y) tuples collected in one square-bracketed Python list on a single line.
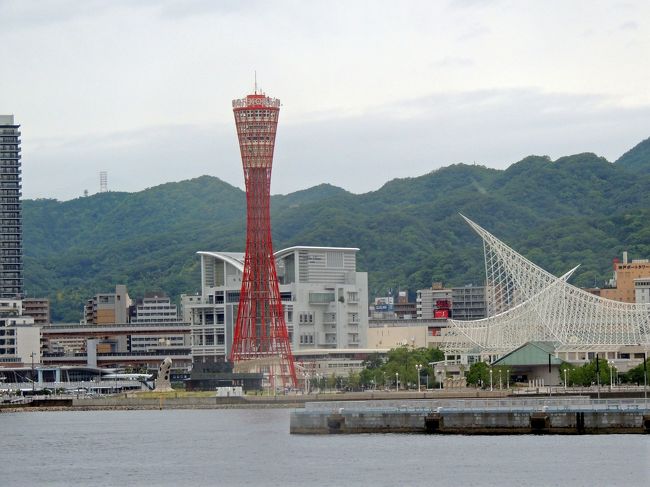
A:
[(637, 159), (577, 209)]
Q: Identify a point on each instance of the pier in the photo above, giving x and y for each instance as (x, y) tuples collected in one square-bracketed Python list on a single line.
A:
[(576, 415)]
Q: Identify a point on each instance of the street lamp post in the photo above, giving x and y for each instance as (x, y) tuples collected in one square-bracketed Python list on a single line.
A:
[(508, 379), (645, 380), (33, 378), (611, 376), (418, 367), (564, 379), (397, 381), (491, 389), (499, 379)]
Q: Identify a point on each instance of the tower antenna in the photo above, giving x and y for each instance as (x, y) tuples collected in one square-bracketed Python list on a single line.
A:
[(255, 81)]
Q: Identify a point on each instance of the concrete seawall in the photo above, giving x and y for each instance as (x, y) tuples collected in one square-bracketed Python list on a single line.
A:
[(579, 416)]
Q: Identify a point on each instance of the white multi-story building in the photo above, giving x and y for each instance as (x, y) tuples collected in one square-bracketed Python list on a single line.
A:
[(324, 299), (155, 308), (20, 340), (642, 290)]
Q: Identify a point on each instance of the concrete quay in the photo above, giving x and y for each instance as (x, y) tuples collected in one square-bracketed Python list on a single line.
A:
[(180, 400), (579, 415)]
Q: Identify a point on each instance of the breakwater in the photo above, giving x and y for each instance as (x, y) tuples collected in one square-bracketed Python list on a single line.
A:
[(578, 415)]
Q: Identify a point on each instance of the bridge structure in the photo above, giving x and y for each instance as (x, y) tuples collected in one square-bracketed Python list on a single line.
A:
[(527, 303)]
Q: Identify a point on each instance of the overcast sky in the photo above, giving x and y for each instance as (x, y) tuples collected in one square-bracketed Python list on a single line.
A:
[(370, 90)]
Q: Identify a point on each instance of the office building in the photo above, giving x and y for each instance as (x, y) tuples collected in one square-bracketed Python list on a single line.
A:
[(622, 286), (433, 302), (324, 300)]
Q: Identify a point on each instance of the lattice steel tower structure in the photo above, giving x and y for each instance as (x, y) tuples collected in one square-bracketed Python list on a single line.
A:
[(261, 338)]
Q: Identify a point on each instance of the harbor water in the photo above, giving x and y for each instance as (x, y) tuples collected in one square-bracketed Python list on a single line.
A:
[(253, 447)]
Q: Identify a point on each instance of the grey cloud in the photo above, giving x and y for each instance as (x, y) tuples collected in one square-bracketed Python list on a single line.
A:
[(493, 127), (16, 14)]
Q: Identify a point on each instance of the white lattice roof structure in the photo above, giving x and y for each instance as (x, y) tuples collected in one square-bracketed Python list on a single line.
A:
[(526, 303)]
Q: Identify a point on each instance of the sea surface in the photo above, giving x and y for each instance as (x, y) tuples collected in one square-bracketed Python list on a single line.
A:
[(254, 448)]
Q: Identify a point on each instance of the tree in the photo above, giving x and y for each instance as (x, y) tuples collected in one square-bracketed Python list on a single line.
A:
[(636, 374), (401, 361), (354, 381), (479, 374), (586, 374)]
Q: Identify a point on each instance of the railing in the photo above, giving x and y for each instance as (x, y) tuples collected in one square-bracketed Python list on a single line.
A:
[(321, 298), (72, 385), (116, 325), (166, 351)]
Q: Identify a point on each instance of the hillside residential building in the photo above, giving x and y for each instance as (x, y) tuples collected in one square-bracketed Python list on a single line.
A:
[(39, 309), (468, 303), (403, 308), (108, 308), (324, 299), (11, 254), (154, 308), (622, 284)]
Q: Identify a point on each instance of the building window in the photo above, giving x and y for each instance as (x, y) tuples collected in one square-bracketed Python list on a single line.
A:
[(335, 259), (306, 318)]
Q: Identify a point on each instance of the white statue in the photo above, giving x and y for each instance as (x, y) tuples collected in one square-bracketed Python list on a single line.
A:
[(163, 384)]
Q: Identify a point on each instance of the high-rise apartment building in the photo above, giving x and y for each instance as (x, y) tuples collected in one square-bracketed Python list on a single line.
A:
[(11, 261)]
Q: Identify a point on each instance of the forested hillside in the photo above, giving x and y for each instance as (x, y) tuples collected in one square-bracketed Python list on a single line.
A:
[(579, 209)]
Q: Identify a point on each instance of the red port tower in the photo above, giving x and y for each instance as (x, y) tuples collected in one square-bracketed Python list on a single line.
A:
[(261, 340)]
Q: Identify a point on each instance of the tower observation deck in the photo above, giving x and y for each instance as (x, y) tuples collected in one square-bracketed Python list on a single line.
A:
[(261, 340)]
